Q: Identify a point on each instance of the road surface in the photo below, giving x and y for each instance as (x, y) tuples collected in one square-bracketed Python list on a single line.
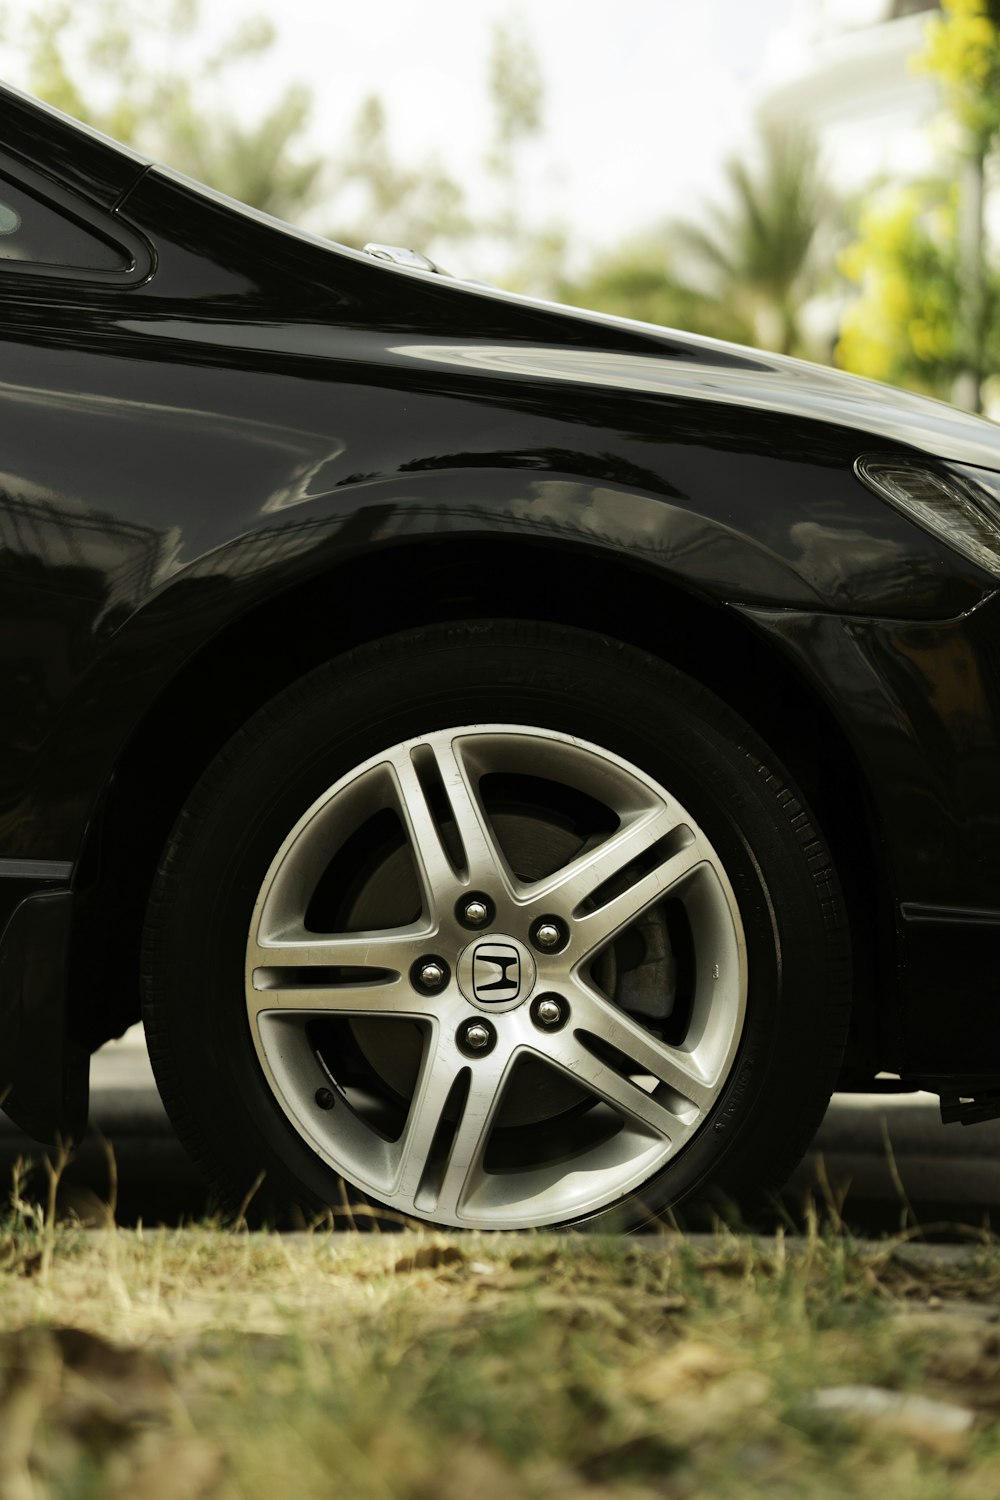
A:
[(881, 1162)]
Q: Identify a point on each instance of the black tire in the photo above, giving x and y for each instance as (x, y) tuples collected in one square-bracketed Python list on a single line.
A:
[(598, 706)]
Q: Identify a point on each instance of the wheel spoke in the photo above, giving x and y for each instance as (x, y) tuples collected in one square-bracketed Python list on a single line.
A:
[(600, 1018), (440, 764), (422, 1185), (355, 974), (674, 861), (630, 1098), (575, 883), (394, 951), (389, 997)]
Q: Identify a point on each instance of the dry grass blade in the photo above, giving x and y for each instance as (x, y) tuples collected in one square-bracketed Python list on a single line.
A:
[(423, 1366), (908, 1218)]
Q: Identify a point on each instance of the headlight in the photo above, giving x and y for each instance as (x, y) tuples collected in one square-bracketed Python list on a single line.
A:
[(958, 504)]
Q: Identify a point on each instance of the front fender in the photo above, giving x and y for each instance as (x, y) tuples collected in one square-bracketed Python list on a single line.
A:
[(747, 529)]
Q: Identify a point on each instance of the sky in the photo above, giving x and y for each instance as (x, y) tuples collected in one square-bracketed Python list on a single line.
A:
[(644, 98)]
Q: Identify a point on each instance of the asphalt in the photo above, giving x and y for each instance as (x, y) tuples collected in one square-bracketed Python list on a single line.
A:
[(880, 1162)]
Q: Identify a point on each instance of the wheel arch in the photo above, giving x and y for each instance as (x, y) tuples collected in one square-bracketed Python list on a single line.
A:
[(248, 661)]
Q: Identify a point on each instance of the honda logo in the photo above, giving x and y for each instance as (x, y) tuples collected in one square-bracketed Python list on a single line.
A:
[(496, 973)]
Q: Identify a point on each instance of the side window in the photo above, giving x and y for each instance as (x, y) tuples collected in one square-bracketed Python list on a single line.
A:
[(45, 239), (49, 235)]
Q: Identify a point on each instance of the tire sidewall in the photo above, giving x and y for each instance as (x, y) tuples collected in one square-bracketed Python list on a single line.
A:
[(343, 714)]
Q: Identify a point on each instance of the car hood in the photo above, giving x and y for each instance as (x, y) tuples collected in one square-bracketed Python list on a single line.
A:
[(688, 365), (661, 360)]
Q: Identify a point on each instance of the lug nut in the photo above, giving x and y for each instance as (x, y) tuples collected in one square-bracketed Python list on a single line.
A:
[(475, 910), (476, 1038), (549, 934), (549, 1012), (429, 974)]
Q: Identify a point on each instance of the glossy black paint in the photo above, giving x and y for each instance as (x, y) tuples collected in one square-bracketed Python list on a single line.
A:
[(97, 170), (257, 449), (924, 721)]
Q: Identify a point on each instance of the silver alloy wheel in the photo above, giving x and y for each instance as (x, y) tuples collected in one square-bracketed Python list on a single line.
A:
[(584, 1087)]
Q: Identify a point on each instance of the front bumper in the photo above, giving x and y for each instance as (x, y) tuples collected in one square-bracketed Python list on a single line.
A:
[(919, 704)]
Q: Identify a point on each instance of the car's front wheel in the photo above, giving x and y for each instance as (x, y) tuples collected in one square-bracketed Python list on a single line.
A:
[(501, 926)]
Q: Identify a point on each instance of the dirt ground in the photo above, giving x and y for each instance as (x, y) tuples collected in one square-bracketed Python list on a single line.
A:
[(203, 1363)]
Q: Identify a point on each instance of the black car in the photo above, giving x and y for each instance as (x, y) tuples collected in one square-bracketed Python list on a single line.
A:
[(517, 762)]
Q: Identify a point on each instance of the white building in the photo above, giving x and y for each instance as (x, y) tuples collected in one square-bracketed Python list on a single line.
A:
[(842, 69)]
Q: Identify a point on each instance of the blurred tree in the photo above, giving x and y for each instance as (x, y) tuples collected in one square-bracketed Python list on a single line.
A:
[(149, 85), (532, 254), (423, 206), (636, 281), (927, 314), (517, 95), (743, 273), (758, 256), (395, 204), (904, 326), (963, 51), (139, 71)]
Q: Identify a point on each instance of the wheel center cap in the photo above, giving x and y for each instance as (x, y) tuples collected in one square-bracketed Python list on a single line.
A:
[(496, 973)]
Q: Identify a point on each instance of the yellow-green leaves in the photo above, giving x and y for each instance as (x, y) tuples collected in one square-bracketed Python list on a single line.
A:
[(902, 327), (963, 52)]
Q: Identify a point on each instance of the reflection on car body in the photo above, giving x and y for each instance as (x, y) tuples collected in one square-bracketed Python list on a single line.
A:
[(370, 640)]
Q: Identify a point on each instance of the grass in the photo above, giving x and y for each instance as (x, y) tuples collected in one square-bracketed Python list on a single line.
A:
[(447, 1367)]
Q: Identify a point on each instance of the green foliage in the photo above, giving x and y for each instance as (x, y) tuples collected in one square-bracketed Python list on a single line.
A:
[(741, 273), (637, 281), (256, 164), (139, 71), (904, 325), (927, 313), (422, 205), (963, 52), (396, 204), (757, 255), (149, 84), (533, 257), (517, 92)]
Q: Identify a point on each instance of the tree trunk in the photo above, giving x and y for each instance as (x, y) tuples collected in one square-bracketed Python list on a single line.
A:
[(967, 390)]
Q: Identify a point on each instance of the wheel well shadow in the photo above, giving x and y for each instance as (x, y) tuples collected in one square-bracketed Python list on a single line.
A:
[(271, 645)]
